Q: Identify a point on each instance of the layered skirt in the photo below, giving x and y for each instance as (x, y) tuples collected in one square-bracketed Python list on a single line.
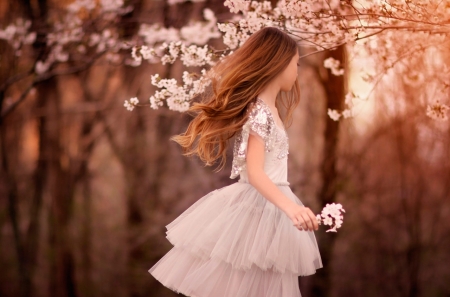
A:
[(235, 243)]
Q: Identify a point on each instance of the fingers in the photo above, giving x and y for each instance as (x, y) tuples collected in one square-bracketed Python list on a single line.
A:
[(309, 224), (299, 223), (302, 225), (306, 220), (312, 219), (299, 226)]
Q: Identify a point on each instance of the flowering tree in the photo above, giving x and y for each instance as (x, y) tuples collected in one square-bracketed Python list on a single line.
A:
[(84, 32), (381, 30), (391, 33)]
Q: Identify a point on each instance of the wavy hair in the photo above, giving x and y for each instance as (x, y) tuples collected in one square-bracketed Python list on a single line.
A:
[(236, 82)]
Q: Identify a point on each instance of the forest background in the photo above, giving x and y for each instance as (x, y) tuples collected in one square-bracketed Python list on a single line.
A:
[(86, 187)]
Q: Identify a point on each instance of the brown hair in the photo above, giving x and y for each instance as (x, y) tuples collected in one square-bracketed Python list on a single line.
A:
[(237, 81)]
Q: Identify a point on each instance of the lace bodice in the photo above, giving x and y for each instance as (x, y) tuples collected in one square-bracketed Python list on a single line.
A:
[(261, 122)]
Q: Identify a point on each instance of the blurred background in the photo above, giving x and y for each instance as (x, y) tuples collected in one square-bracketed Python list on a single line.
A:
[(86, 187)]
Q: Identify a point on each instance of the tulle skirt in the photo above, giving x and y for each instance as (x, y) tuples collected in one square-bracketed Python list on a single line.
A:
[(235, 243)]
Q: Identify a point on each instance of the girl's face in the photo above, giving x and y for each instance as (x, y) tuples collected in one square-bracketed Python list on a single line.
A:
[(289, 75)]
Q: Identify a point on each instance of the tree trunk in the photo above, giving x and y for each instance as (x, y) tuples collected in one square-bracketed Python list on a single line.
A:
[(8, 187), (83, 177), (60, 189)]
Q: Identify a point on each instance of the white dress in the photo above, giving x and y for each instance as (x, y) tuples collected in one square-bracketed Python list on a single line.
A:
[(233, 242)]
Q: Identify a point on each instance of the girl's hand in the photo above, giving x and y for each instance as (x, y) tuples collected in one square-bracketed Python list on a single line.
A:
[(302, 218)]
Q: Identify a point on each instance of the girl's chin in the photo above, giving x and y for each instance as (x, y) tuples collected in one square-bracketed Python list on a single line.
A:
[(287, 89)]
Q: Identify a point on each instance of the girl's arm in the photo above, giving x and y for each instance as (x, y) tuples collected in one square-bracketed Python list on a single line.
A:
[(259, 179)]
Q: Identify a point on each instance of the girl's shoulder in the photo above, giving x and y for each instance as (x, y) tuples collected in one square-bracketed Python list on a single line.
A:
[(260, 122), (259, 113)]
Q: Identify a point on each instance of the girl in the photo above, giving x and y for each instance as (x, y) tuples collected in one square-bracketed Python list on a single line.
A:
[(254, 237)]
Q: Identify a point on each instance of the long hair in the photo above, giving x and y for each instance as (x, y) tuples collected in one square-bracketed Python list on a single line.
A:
[(237, 81)]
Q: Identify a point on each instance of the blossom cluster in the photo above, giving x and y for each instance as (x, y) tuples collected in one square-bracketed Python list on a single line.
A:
[(318, 23), (347, 112), (332, 216), (321, 24), (68, 36), (438, 111), (18, 34), (394, 31), (90, 5), (129, 105), (333, 65), (424, 70), (67, 31), (310, 23), (189, 43), (199, 32), (255, 15), (191, 55), (178, 98)]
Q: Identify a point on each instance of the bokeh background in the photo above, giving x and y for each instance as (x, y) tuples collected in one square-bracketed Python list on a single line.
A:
[(86, 187)]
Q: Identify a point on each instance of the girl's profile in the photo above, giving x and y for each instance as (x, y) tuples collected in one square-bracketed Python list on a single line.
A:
[(254, 237)]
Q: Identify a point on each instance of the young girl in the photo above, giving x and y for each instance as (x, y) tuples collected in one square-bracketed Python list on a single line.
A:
[(254, 237)]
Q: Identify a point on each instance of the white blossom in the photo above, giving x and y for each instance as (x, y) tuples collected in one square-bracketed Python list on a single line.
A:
[(187, 78), (327, 220), (157, 99), (134, 100), (131, 104), (201, 32), (8, 33), (347, 113), (334, 114), (331, 215), (195, 56), (149, 54), (58, 54), (155, 33), (42, 67), (75, 6), (177, 98), (172, 52), (333, 65), (104, 41), (230, 37), (237, 5), (67, 31), (17, 34), (113, 57), (111, 5), (349, 99), (137, 57)]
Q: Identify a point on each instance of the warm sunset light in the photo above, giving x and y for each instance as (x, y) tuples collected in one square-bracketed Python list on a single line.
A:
[(224, 148)]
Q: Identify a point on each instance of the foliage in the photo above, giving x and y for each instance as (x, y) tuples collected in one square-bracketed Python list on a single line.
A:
[(391, 34)]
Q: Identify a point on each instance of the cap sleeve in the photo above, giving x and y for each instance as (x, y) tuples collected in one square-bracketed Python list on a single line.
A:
[(259, 122)]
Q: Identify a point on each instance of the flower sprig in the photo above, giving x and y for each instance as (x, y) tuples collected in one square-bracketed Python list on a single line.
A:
[(131, 104), (331, 216)]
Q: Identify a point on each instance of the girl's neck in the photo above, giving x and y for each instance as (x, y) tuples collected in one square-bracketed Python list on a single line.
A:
[(269, 94)]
